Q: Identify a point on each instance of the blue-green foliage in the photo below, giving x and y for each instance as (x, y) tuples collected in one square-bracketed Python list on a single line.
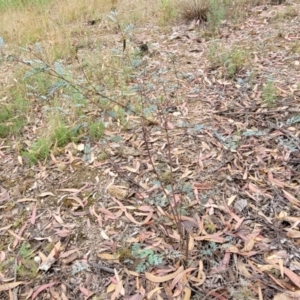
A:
[(293, 120), (59, 69), (53, 88), (37, 66), (290, 144), (156, 182), (147, 256), (116, 139), (159, 200), (212, 247), (186, 188), (2, 44), (78, 267), (228, 142), (198, 128), (253, 133), (148, 111), (125, 29), (87, 152)]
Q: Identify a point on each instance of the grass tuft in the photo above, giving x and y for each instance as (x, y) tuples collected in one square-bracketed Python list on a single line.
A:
[(194, 10)]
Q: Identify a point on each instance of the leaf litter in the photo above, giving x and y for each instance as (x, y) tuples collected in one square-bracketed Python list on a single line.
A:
[(106, 229)]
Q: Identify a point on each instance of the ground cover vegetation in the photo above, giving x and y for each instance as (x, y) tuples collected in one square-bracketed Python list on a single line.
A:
[(149, 150)]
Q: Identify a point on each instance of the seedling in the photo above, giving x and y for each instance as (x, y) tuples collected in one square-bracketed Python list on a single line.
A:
[(269, 95)]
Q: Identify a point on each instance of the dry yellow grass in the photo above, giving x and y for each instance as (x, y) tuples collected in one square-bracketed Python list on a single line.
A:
[(55, 23), (52, 23)]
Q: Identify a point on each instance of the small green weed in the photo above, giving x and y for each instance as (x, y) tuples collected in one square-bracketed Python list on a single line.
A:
[(288, 12), (119, 114), (17, 124), (26, 266), (4, 130), (242, 293), (10, 124), (37, 82), (40, 150), (5, 114), (29, 157), (167, 12), (96, 129), (20, 104), (233, 60), (19, 4), (269, 94), (216, 14), (62, 135), (102, 156), (209, 226)]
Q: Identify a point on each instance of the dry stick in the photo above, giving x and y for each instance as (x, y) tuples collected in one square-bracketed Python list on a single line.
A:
[(187, 233), (164, 121), (153, 166), (175, 213)]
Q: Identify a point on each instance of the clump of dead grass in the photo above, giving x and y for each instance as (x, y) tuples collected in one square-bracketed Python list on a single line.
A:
[(194, 9)]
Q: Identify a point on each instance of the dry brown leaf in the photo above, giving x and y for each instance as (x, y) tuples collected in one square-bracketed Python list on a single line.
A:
[(274, 181), (20, 233), (231, 199), (20, 160), (154, 291), (234, 249), (159, 279), (46, 194), (180, 276), (15, 235), (2, 256), (111, 287), (26, 200), (119, 289), (51, 258), (291, 198), (191, 243), (42, 288), (223, 266), (107, 256), (282, 296), (104, 235), (85, 292), (8, 286), (130, 169), (187, 290), (243, 269), (294, 234), (250, 241), (293, 276)]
